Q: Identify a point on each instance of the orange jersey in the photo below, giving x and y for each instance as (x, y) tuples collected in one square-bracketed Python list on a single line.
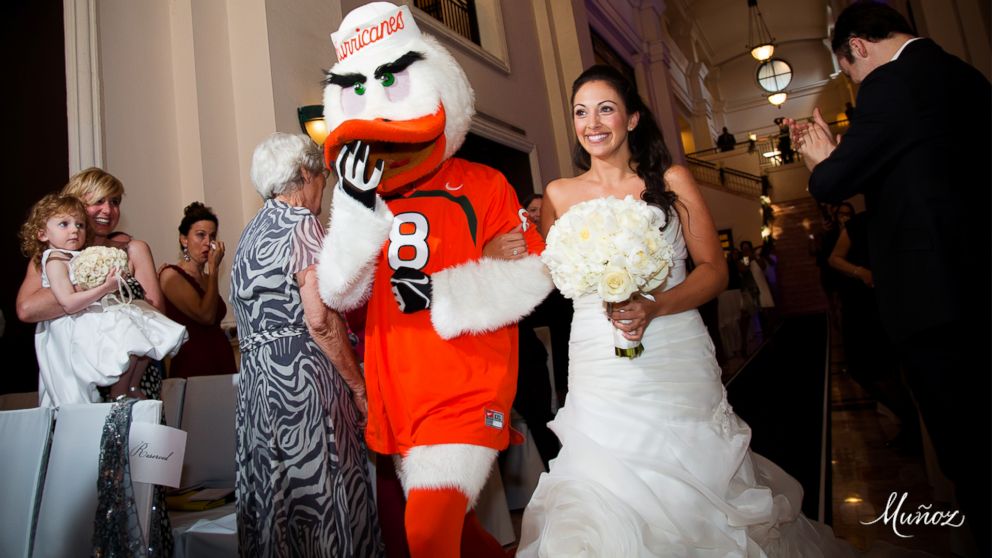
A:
[(422, 389)]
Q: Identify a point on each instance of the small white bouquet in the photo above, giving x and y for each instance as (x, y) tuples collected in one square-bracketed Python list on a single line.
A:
[(91, 266), (610, 247)]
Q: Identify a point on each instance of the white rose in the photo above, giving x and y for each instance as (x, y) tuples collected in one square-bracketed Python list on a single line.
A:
[(91, 266), (616, 285)]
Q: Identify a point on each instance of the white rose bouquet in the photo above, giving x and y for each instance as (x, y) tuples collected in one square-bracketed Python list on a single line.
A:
[(610, 247), (91, 266)]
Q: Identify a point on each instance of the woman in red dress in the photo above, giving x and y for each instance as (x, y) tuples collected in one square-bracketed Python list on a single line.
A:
[(192, 297)]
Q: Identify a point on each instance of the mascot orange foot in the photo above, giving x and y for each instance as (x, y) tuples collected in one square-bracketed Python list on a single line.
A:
[(407, 230)]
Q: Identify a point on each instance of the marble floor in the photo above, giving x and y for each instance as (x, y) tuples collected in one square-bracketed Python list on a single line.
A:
[(866, 473)]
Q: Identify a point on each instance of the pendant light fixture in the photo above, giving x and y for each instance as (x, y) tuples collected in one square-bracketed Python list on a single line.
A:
[(760, 42)]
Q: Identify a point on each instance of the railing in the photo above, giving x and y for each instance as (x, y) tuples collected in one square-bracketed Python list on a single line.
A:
[(767, 149), (457, 15), (734, 181)]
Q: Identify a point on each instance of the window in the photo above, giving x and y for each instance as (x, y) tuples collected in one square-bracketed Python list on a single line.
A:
[(457, 15), (774, 75)]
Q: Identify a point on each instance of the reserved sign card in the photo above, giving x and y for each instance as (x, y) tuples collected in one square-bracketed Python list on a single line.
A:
[(157, 453)]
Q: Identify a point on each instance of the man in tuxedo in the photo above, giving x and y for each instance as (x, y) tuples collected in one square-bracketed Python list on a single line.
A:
[(919, 152)]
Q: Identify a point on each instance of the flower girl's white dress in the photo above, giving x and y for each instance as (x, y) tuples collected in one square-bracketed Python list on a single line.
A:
[(653, 460), (78, 352)]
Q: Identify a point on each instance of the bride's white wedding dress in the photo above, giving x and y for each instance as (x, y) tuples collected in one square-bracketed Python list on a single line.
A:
[(653, 460)]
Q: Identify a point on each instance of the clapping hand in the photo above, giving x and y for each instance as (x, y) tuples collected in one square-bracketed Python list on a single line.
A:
[(351, 165), (813, 140)]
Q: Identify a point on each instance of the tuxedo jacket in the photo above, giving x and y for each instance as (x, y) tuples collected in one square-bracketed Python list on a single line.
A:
[(920, 153)]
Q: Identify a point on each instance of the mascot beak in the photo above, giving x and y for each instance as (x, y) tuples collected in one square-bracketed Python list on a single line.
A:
[(410, 149)]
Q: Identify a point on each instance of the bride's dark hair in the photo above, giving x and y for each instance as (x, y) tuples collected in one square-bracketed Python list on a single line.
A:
[(649, 157)]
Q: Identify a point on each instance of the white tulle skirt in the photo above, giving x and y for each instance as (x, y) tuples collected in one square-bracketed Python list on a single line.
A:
[(655, 463), (79, 352)]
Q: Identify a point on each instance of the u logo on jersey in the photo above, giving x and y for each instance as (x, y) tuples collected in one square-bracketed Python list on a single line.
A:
[(524, 220)]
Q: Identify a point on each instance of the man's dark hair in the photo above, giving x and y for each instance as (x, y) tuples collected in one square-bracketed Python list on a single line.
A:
[(866, 20)]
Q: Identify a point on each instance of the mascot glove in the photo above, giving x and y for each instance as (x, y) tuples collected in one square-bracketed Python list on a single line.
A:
[(351, 165), (412, 289)]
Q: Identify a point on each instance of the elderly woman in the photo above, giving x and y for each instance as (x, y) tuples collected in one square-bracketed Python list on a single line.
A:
[(192, 297), (102, 193), (303, 485)]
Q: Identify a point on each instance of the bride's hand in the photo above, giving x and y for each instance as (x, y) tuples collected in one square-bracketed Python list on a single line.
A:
[(507, 246), (632, 316)]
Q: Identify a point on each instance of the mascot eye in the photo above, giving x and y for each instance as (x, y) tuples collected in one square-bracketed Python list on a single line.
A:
[(396, 86), (353, 99)]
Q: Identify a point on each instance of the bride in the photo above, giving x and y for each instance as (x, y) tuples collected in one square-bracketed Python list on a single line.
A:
[(653, 460)]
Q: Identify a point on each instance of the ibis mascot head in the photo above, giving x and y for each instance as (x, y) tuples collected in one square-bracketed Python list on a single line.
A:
[(398, 91)]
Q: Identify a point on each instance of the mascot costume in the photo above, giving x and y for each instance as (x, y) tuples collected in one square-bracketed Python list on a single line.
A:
[(406, 233)]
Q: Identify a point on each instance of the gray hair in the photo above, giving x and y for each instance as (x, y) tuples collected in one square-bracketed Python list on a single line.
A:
[(277, 162)]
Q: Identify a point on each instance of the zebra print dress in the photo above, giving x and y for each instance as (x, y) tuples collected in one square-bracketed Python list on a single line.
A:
[(303, 485)]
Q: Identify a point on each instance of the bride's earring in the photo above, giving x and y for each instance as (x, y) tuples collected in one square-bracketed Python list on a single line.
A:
[(185, 254)]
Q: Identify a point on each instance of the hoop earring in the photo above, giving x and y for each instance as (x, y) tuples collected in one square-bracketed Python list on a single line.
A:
[(185, 254)]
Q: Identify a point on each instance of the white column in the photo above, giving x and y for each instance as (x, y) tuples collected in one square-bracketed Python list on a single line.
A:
[(82, 80)]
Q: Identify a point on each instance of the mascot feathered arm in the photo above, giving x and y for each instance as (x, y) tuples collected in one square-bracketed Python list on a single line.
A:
[(359, 225), (487, 294)]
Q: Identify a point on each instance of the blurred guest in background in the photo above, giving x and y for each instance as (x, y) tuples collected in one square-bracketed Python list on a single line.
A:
[(868, 353), (726, 141)]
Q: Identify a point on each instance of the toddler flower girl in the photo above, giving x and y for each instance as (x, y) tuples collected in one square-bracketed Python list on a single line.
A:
[(104, 334)]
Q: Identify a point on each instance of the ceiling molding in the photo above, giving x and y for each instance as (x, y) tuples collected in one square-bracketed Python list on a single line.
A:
[(696, 32), (606, 20), (747, 54)]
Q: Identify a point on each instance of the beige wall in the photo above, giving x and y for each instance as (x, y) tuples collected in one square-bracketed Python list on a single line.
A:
[(189, 88), (730, 211), (141, 131)]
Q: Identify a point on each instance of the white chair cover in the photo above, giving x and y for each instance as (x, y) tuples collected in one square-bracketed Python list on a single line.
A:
[(26, 436), (208, 419), (173, 391), (69, 499)]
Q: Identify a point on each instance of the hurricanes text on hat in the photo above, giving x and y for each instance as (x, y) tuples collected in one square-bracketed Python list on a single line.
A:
[(373, 25)]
